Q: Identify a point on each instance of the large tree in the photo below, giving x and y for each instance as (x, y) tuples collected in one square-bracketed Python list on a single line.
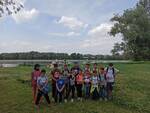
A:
[(8, 7), (134, 25)]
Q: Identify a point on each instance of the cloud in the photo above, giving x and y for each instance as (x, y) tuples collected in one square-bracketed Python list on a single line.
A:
[(25, 15), (71, 22), (102, 29), (73, 34), (99, 40), (69, 34)]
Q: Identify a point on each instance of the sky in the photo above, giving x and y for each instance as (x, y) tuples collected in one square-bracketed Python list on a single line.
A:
[(64, 26)]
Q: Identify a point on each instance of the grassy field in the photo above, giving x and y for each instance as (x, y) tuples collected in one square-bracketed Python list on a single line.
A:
[(131, 94)]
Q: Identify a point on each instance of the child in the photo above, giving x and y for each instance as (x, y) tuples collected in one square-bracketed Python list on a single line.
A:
[(42, 84), (87, 78), (65, 73), (71, 86), (79, 81), (102, 84), (110, 78), (55, 76), (34, 76), (87, 67), (76, 68), (60, 85), (95, 67), (94, 87)]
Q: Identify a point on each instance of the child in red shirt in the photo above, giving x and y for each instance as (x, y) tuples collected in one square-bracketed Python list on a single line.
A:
[(79, 81), (34, 76)]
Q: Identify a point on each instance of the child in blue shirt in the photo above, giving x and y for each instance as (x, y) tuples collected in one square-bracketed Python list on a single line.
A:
[(43, 89), (60, 85)]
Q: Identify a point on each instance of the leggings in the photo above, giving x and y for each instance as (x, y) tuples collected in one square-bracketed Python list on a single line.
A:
[(53, 89), (87, 90), (95, 94), (71, 90), (79, 90), (66, 90), (103, 92), (39, 95), (60, 95)]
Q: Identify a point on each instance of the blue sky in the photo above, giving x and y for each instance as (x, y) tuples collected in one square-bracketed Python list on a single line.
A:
[(62, 26)]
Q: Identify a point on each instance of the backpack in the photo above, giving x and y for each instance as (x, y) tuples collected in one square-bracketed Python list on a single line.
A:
[(113, 69)]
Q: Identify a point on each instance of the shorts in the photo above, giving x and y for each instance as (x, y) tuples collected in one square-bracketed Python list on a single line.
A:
[(110, 86)]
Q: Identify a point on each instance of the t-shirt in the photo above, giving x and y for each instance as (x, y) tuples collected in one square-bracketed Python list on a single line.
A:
[(75, 70), (65, 72), (35, 75), (110, 75), (60, 83), (53, 72), (95, 80), (65, 75), (87, 79), (95, 69), (42, 82), (72, 80), (79, 78), (102, 79), (87, 70)]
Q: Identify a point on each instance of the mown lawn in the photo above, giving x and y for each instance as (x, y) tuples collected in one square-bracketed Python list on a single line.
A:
[(131, 95)]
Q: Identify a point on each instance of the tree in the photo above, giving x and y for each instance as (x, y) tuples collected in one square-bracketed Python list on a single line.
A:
[(118, 48), (134, 25), (8, 7)]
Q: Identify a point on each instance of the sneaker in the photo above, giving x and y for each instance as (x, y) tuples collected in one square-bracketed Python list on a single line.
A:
[(49, 105), (72, 100), (100, 99), (78, 98), (105, 99), (53, 100), (81, 99), (37, 107), (109, 98), (65, 100)]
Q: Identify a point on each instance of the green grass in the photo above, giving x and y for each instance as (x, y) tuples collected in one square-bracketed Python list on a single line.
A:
[(131, 94)]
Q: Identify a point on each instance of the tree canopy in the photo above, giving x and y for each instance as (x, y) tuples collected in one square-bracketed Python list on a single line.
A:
[(33, 55), (8, 7), (134, 25)]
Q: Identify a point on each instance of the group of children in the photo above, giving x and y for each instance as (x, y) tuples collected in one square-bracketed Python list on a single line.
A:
[(74, 83)]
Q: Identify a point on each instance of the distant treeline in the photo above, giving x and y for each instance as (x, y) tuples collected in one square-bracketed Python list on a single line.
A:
[(53, 56)]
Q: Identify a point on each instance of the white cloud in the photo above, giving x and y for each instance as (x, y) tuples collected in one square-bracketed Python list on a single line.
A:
[(102, 29), (69, 34), (25, 15), (71, 22), (73, 34), (99, 40)]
